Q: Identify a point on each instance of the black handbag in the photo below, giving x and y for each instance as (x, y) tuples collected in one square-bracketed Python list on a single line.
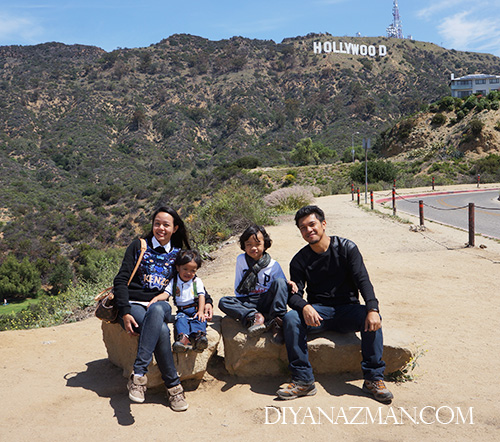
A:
[(106, 308)]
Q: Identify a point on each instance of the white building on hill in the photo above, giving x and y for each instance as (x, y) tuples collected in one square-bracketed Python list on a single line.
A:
[(472, 84)]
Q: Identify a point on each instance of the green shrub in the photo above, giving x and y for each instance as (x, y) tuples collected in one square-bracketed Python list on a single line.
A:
[(19, 280), (475, 127), (229, 211), (438, 119), (377, 171)]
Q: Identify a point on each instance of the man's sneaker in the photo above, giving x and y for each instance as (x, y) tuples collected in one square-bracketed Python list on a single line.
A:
[(182, 344), (200, 341), (256, 325), (176, 398), (293, 391), (137, 387), (378, 390)]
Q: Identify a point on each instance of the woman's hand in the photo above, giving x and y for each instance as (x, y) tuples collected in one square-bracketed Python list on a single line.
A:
[(209, 311), (129, 323)]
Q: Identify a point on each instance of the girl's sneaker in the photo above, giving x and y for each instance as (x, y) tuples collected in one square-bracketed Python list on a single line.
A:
[(182, 344), (200, 341)]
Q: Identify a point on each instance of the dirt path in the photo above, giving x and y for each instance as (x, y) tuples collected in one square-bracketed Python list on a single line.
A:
[(58, 384)]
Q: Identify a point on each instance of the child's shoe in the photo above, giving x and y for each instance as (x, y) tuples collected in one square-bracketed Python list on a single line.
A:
[(256, 325), (182, 344), (200, 341)]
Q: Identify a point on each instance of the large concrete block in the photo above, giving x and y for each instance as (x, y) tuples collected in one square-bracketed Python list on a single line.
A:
[(329, 353), (122, 350)]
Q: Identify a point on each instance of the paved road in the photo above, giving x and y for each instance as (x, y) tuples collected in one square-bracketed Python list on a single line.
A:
[(452, 209)]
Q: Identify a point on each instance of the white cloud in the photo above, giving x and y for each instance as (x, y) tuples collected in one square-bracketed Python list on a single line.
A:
[(439, 6), (18, 28), (462, 31)]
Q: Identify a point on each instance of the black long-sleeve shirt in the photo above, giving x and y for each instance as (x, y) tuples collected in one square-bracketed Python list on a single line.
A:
[(335, 277)]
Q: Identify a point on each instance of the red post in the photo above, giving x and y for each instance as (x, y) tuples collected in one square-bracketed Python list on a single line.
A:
[(471, 225), (394, 182), (359, 196), (371, 199), (478, 179), (432, 183), (352, 191), (421, 211), (394, 201)]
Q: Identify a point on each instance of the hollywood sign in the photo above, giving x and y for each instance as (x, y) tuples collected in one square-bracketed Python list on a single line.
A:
[(329, 47)]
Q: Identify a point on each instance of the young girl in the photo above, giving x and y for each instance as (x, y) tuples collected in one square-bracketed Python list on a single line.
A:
[(189, 297), (260, 286)]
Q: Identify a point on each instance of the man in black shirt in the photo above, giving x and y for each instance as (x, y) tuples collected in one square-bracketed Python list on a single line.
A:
[(332, 268)]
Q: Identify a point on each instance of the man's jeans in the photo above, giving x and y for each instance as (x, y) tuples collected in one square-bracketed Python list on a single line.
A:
[(187, 322), (343, 319), (271, 303), (154, 338)]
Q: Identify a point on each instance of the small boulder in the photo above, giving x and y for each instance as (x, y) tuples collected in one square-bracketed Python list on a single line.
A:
[(329, 353), (122, 350)]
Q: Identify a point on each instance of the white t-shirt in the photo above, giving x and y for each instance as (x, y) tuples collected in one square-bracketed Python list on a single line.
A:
[(264, 278), (185, 291)]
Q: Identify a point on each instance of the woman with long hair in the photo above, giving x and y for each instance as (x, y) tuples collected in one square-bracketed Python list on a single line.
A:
[(149, 321)]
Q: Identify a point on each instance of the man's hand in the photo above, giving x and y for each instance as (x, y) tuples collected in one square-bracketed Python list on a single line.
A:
[(311, 316), (129, 323), (372, 322)]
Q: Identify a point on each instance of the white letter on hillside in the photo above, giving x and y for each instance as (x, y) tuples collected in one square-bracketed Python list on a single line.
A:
[(327, 46), (363, 50), (317, 47), (382, 50), (372, 51)]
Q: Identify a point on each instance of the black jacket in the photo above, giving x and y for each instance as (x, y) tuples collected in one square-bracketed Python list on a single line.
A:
[(334, 277)]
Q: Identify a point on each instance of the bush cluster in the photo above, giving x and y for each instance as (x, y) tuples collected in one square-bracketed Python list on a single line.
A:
[(290, 199)]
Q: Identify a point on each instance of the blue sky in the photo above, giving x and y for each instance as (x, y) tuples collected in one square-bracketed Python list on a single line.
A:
[(111, 24)]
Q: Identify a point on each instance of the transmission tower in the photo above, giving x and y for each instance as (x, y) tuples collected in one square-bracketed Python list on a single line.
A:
[(395, 29)]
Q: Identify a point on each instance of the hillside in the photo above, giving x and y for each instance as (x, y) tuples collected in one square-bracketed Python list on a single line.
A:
[(90, 140)]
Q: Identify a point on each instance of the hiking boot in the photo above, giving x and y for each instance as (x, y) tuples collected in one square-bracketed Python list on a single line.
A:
[(256, 325), (200, 341), (378, 390), (176, 398), (277, 331), (182, 344), (137, 387), (293, 391)]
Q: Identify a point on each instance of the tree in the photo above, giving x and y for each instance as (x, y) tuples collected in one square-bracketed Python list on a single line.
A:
[(19, 280), (306, 152), (61, 276)]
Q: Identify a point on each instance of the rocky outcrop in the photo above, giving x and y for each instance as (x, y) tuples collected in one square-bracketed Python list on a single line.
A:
[(329, 353), (122, 349)]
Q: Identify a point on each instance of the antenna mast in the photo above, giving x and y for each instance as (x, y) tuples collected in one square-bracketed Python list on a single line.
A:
[(395, 29)]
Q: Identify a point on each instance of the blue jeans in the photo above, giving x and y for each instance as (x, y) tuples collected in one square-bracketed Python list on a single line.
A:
[(271, 303), (154, 338), (344, 319), (187, 323)]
